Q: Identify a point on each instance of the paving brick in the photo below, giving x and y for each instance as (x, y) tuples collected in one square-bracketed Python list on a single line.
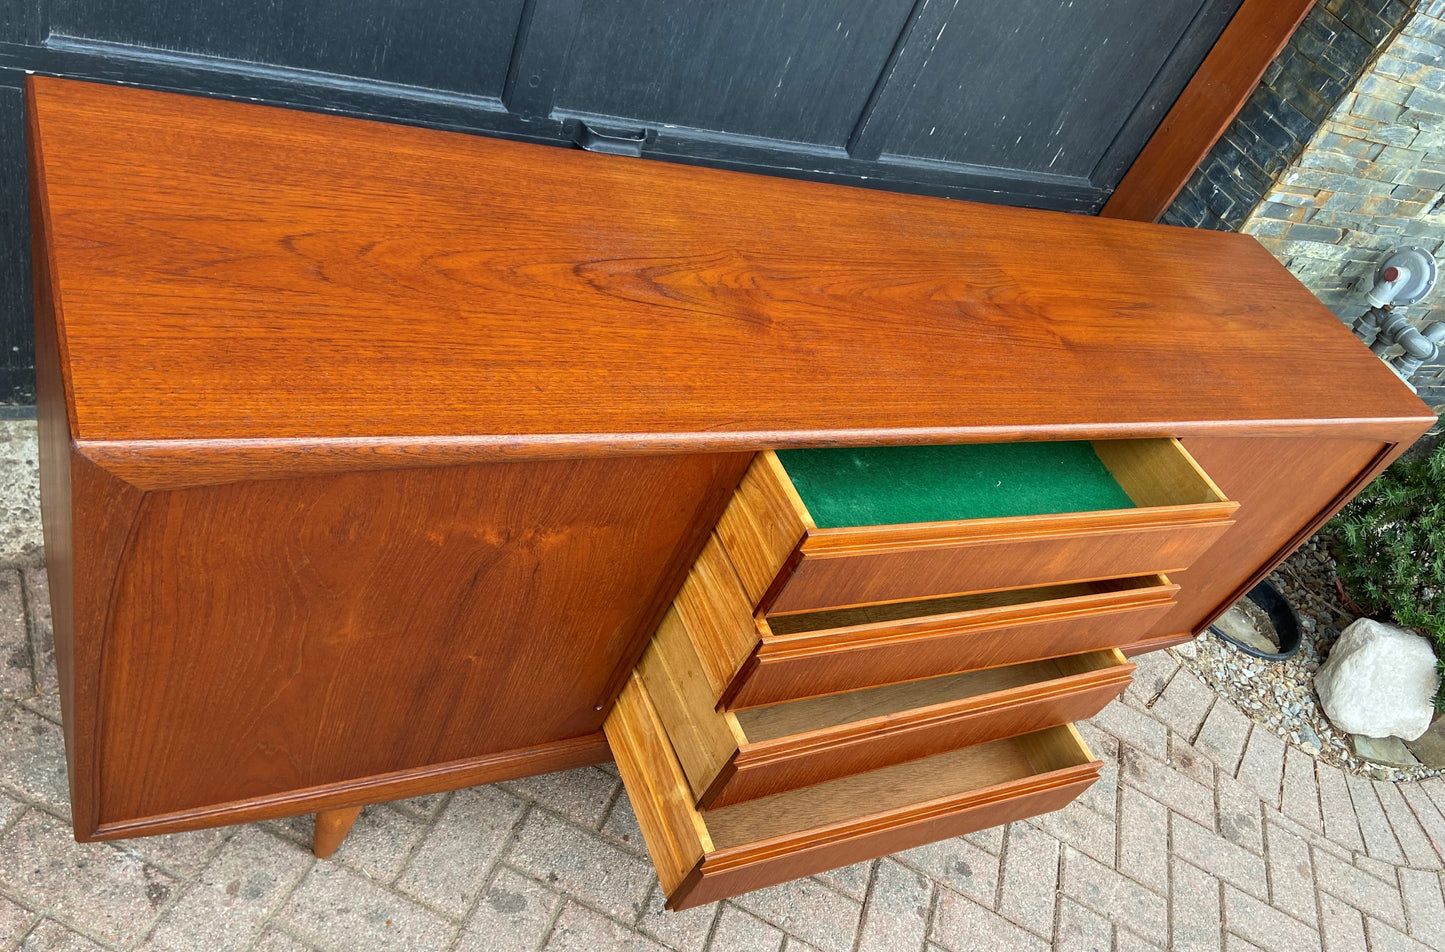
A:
[(1126, 941), (851, 881), (1338, 810), (1383, 938), (1342, 927), (297, 829), (276, 941), (961, 924), (448, 869), (32, 758), (183, 855), (1134, 728), (1190, 762), (1151, 673), (1219, 857), (423, 808), (15, 921), (228, 905), (808, 910), (1429, 815), (1424, 906), (1374, 827), (686, 931), (513, 913), (737, 931), (1030, 879), (1195, 923), (621, 827), (1144, 840), (896, 916), (112, 895), (1411, 838), (1434, 788), (42, 644), (16, 664), (379, 842), (582, 864), (1102, 796), (1167, 785), (1317, 840), (1081, 929), (959, 865), (10, 809), (1109, 893), (342, 910), (581, 796), (1185, 702), (1082, 829), (1359, 889), (1291, 875), (1300, 798), (51, 936), (1264, 925), (1261, 769), (1233, 943), (1377, 868), (1238, 814), (580, 929)]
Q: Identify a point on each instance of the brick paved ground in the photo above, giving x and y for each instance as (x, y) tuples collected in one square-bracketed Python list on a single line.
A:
[(1203, 834)]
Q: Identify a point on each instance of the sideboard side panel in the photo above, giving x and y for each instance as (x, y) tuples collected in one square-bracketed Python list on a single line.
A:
[(284, 634), (1284, 486)]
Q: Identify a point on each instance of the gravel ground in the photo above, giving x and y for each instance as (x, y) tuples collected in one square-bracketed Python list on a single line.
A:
[(1281, 695)]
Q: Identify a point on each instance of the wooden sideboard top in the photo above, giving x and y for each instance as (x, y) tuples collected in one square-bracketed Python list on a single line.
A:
[(225, 271)]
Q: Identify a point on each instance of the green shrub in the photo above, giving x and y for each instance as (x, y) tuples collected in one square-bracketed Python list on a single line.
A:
[(1389, 544)]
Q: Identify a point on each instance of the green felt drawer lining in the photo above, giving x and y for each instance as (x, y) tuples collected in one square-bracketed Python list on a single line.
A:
[(891, 485)]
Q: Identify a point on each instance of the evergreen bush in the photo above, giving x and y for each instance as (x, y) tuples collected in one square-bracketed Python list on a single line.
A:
[(1389, 544)]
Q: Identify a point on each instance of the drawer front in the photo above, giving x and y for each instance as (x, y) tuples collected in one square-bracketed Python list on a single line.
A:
[(732, 756), (845, 567), (703, 856), (763, 767), (846, 659), (787, 563)]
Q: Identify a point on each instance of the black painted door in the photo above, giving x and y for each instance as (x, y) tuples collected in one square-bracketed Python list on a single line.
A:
[(1034, 102)]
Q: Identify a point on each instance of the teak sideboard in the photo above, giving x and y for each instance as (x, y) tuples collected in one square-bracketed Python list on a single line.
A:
[(379, 461)]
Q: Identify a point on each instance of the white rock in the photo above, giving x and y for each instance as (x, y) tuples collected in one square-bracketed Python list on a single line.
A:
[(1379, 681)]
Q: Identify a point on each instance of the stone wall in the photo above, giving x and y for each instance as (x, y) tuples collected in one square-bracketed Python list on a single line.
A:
[(1339, 156)]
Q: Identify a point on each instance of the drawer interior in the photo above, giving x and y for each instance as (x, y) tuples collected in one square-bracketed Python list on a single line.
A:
[(952, 605), (774, 721), (705, 855), (892, 485), (892, 788)]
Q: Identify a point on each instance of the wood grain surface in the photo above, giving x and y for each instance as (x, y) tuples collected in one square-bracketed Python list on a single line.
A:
[(704, 856), (282, 634), (828, 661), (280, 275), (864, 565), (919, 720)]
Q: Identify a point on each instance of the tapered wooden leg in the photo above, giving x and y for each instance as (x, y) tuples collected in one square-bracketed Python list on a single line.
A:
[(331, 828)]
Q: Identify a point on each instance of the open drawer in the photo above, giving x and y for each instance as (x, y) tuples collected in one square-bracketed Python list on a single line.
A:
[(829, 528), (748, 661), (704, 856), (732, 756)]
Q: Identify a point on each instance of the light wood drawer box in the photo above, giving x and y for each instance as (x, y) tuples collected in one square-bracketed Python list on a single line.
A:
[(732, 756), (749, 661), (703, 856), (815, 529)]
